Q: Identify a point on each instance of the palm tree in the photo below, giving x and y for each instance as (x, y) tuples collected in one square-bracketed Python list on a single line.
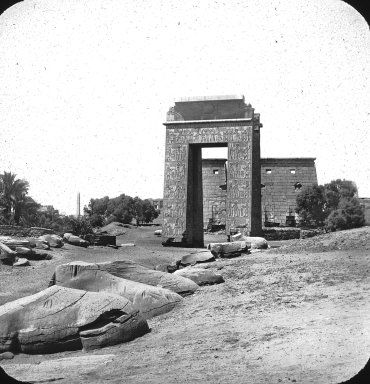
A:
[(26, 208), (12, 193)]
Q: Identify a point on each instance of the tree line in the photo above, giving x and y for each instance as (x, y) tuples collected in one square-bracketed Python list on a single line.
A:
[(18, 208), (334, 206), (122, 208)]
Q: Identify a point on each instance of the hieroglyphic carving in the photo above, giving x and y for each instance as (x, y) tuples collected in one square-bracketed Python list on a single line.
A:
[(240, 151), (238, 189), (175, 171), (174, 228), (239, 141), (238, 184), (176, 153), (174, 207), (208, 135), (237, 209), (174, 190), (218, 209), (238, 169)]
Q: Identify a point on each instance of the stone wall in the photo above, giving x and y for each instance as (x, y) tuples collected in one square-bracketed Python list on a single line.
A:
[(18, 231), (183, 183), (214, 197), (282, 179), (213, 121), (365, 202)]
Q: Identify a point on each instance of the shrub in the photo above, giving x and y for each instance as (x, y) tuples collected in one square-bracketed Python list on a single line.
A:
[(334, 205), (81, 226), (311, 206), (349, 214)]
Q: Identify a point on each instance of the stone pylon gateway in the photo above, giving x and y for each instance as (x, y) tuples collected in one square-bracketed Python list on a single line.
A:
[(218, 121)]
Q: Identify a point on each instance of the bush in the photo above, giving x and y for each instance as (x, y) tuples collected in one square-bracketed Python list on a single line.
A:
[(63, 224), (96, 220), (122, 208), (311, 206), (81, 226), (334, 205), (349, 214)]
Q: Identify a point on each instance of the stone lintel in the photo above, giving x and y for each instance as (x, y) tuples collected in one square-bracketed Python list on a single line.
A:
[(287, 161), (185, 122)]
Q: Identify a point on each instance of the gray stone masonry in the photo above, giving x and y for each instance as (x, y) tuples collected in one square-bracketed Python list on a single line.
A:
[(281, 181), (195, 123)]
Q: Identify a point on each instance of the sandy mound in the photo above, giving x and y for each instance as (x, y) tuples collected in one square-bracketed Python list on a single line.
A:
[(115, 228), (358, 238)]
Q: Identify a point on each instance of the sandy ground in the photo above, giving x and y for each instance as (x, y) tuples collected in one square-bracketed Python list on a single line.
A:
[(298, 313)]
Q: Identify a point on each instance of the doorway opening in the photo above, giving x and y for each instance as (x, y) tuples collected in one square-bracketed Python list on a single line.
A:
[(214, 178)]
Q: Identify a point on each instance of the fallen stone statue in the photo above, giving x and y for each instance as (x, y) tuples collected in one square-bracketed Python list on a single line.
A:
[(256, 242), (75, 240), (150, 301), (7, 255), (131, 271), (61, 319), (6, 379), (228, 250), (53, 241), (196, 258), (200, 276)]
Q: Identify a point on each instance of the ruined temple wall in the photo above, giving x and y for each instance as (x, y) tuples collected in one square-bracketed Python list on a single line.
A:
[(256, 177), (365, 202), (280, 178), (214, 198), (182, 184), (278, 194)]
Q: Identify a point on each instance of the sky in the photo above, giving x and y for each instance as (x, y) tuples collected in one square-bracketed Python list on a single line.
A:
[(86, 85)]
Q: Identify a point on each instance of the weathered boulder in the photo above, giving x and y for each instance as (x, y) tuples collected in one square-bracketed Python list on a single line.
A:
[(6, 356), (38, 244), (23, 251), (150, 301), (14, 243), (55, 368), (60, 319), (129, 270), (7, 256), (39, 256), (228, 250), (158, 232), (256, 242), (115, 228), (200, 276), (54, 241), (101, 239), (75, 240), (5, 378), (198, 257), (21, 262), (170, 268), (31, 254)]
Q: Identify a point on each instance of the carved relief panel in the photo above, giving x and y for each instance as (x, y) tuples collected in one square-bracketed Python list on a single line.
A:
[(239, 179), (175, 184), (178, 138)]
